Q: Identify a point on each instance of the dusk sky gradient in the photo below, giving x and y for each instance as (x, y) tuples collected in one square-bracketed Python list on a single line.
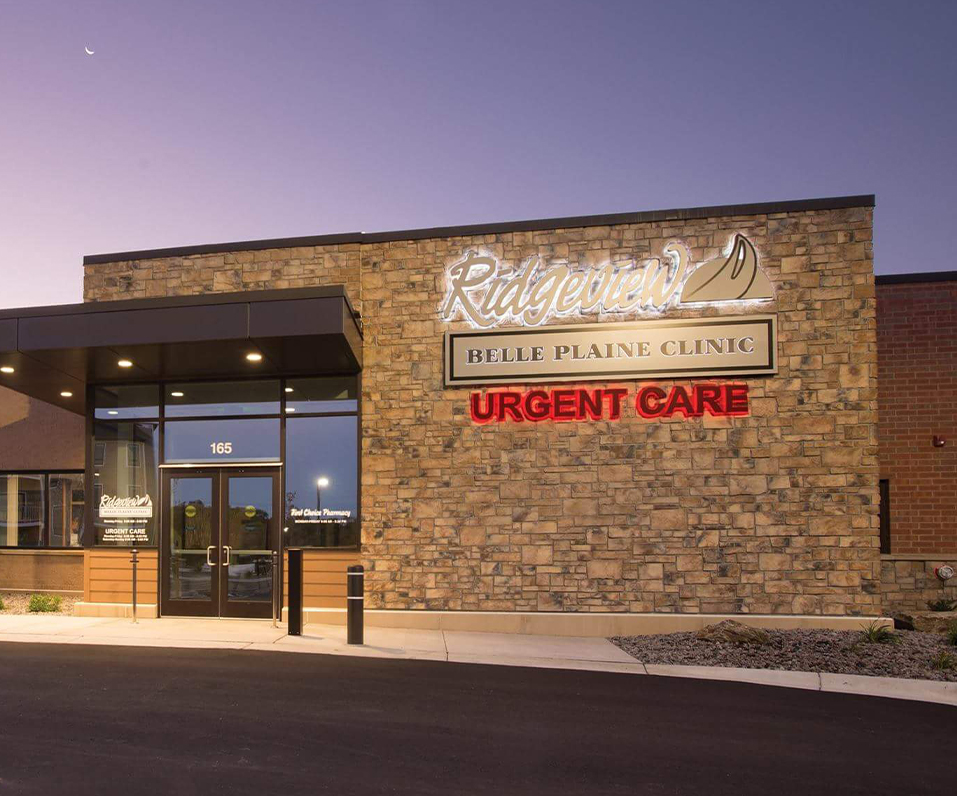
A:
[(203, 122)]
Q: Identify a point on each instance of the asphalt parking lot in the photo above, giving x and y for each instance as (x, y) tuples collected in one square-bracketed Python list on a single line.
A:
[(78, 719)]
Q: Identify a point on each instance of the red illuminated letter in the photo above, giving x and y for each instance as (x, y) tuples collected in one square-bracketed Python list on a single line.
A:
[(649, 400)]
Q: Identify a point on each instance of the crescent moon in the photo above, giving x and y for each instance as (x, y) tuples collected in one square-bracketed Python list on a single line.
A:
[(88, 51)]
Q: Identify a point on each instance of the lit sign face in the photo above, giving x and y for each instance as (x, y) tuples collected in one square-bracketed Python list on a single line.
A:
[(485, 296), (705, 347), (581, 404), (126, 508)]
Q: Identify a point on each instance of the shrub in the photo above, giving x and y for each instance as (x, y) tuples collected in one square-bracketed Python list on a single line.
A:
[(942, 605), (877, 633), (44, 603), (944, 662)]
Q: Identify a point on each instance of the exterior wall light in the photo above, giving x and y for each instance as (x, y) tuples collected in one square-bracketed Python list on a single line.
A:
[(176, 394), (125, 363), (290, 408), (254, 357), (112, 412), (6, 369), (288, 389), (939, 442), (66, 394)]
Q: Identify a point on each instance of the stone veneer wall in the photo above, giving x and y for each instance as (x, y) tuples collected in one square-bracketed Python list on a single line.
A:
[(908, 582), (771, 513)]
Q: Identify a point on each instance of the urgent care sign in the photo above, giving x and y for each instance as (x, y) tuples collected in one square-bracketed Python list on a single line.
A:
[(487, 294), (608, 403)]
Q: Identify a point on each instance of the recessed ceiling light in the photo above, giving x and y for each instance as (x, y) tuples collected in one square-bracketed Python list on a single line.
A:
[(125, 363), (176, 394), (66, 394), (254, 357), (288, 389), (6, 369)]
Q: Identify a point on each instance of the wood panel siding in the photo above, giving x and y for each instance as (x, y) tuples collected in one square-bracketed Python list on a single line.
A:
[(323, 578), (107, 576)]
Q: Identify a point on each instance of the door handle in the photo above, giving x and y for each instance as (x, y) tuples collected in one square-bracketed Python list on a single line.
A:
[(208, 550), (226, 549)]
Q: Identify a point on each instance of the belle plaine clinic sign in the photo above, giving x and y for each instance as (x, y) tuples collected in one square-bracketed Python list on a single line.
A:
[(725, 346)]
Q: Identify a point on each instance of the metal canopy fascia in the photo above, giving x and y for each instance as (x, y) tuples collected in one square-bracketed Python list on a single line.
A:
[(65, 348)]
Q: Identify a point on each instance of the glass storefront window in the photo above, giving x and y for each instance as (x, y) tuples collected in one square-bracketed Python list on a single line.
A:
[(322, 490), (329, 394), (66, 510), (22, 510), (125, 485), (222, 398), (126, 401), (246, 440)]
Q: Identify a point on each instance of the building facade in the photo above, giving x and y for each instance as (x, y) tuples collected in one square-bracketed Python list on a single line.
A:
[(600, 424)]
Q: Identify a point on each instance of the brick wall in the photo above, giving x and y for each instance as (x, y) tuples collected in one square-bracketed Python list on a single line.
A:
[(771, 513), (917, 397)]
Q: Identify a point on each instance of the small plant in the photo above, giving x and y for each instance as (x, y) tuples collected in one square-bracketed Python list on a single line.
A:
[(877, 633), (942, 605), (951, 634), (944, 662), (2, 606), (44, 603)]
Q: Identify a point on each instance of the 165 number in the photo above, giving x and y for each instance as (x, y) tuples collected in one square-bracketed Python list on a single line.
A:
[(221, 448)]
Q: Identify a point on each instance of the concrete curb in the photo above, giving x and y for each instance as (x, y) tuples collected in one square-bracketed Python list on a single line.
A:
[(478, 648), (943, 693)]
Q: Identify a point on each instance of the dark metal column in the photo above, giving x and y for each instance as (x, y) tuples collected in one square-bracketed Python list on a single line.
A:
[(295, 592), (355, 602)]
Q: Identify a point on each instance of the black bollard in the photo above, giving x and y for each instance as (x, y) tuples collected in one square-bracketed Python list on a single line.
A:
[(134, 561), (355, 601), (295, 592)]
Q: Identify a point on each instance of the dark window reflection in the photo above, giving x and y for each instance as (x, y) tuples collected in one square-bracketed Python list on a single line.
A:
[(66, 510), (222, 398), (125, 483), (328, 394), (322, 482), (22, 508), (126, 401)]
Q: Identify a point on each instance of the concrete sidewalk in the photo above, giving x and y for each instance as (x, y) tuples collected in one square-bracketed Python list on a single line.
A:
[(506, 649)]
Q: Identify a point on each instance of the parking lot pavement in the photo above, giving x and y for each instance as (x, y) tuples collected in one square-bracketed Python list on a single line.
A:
[(79, 719)]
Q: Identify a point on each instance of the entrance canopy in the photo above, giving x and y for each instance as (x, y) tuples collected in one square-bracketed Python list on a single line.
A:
[(55, 352)]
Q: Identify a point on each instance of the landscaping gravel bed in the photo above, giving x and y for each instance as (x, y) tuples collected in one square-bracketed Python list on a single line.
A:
[(16, 602), (835, 651)]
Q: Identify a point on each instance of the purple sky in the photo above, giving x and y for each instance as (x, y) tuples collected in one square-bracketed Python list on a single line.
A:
[(198, 122)]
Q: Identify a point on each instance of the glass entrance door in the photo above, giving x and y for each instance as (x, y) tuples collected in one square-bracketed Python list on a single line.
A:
[(220, 527)]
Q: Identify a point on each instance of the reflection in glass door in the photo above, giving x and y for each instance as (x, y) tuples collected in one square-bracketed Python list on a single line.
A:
[(248, 530), (219, 530)]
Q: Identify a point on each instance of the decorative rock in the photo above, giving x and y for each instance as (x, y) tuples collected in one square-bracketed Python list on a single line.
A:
[(925, 621), (732, 632)]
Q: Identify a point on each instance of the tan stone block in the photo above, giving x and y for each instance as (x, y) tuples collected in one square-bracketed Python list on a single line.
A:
[(774, 561), (669, 519), (472, 536), (844, 456), (537, 554), (748, 484), (603, 569)]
